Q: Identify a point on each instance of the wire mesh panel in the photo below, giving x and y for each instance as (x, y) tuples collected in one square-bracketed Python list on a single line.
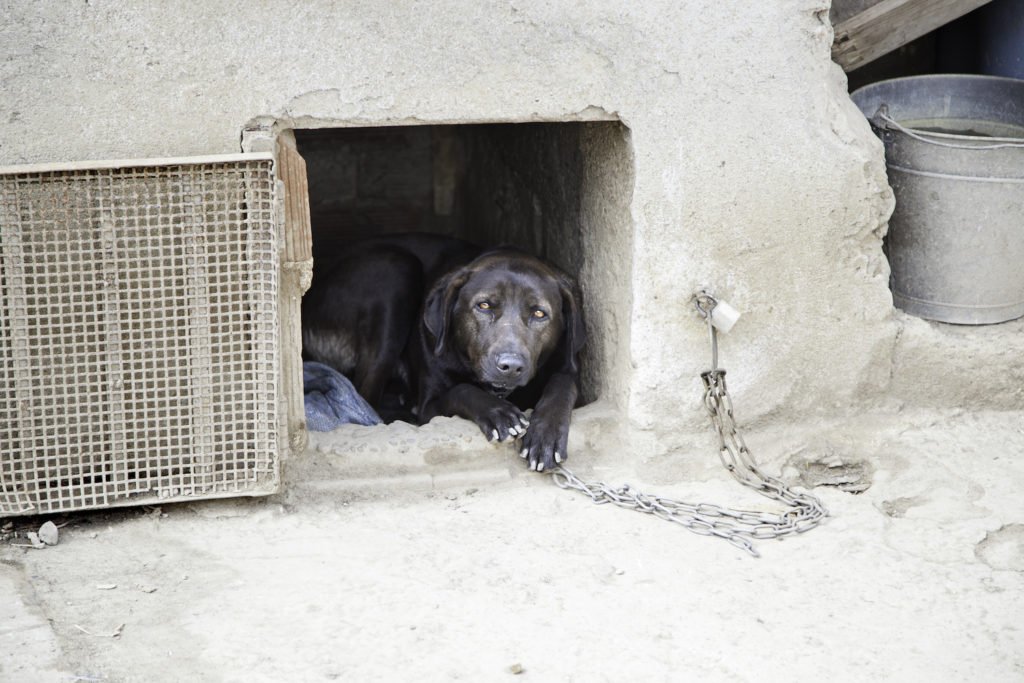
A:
[(139, 355)]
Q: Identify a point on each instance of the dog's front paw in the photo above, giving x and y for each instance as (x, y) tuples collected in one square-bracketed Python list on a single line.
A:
[(545, 443), (499, 420)]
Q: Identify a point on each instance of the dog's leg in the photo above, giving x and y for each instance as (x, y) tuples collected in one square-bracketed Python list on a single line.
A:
[(498, 419), (383, 336), (546, 441), (359, 316)]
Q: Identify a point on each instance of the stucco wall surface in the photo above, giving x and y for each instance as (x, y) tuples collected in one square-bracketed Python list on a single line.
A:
[(753, 173)]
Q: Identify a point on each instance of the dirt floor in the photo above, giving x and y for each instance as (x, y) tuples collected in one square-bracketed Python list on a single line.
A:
[(429, 568)]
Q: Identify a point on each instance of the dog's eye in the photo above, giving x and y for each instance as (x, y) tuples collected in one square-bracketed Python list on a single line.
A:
[(539, 314), (484, 305)]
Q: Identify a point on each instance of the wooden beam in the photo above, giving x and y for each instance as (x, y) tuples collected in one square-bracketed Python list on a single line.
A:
[(890, 24), (296, 275)]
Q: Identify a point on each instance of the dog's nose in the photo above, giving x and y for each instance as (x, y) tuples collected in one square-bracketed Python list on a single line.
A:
[(510, 364)]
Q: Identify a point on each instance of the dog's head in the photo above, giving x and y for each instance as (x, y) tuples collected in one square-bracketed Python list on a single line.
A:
[(505, 315)]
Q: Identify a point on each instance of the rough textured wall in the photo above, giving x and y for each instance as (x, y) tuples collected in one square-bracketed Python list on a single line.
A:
[(754, 174), (608, 181)]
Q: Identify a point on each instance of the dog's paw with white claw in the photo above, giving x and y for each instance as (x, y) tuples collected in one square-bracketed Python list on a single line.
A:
[(501, 421), (544, 446)]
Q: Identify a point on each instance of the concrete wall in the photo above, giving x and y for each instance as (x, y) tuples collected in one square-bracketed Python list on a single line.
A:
[(752, 172)]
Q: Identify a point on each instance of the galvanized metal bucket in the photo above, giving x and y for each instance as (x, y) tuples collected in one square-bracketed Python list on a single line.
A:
[(954, 149)]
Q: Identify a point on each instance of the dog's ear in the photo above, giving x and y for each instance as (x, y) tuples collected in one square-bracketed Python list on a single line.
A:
[(575, 330), (439, 306)]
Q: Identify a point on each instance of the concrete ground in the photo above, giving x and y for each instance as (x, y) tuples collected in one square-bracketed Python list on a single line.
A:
[(446, 560)]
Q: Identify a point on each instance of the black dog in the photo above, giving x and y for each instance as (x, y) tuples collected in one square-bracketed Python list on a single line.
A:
[(482, 335)]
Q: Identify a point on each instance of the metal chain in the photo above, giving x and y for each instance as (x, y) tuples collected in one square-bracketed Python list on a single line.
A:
[(738, 527)]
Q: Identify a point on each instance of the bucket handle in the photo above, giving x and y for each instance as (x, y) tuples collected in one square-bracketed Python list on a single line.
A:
[(883, 114)]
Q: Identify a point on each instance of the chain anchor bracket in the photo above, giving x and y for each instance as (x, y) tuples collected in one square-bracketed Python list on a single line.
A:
[(738, 527)]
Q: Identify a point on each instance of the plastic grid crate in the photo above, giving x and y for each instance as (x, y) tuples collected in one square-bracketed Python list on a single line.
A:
[(139, 357)]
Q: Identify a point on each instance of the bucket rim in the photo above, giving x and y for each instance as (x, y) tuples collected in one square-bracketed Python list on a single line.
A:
[(1012, 82), (929, 77)]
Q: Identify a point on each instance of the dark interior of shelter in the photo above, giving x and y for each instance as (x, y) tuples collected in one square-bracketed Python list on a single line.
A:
[(552, 189), (486, 183)]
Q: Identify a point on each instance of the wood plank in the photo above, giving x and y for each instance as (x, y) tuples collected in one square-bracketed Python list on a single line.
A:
[(296, 274), (890, 24), (842, 10), (292, 171)]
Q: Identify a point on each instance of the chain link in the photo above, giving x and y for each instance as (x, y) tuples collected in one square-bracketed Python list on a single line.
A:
[(738, 527)]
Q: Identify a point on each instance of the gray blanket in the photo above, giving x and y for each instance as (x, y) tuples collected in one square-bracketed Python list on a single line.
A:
[(332, 401)]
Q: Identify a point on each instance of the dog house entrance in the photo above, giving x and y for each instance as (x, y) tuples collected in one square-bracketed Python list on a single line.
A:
[(139, 350), (560, 190)]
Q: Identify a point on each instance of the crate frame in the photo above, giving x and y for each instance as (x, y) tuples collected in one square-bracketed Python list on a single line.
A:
[(103, 403)]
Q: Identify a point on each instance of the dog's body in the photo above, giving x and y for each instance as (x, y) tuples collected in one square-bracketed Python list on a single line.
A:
[(479, 334)]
